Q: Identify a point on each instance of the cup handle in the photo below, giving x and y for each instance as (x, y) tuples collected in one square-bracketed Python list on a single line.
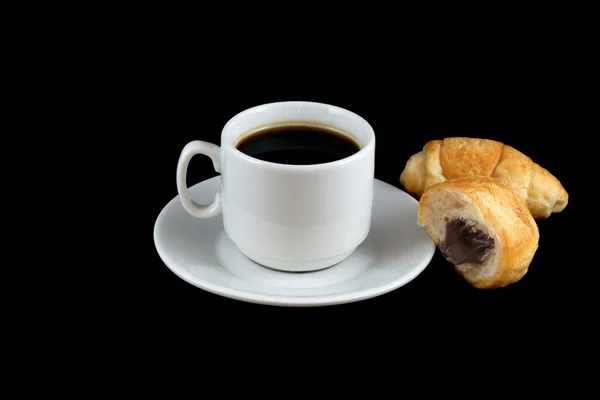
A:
[(190, 150)]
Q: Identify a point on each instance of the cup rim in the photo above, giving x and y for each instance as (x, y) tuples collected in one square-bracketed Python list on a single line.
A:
[(308, 167)]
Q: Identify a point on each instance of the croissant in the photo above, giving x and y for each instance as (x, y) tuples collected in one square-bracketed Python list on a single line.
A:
[(457, 157), (482, 228)]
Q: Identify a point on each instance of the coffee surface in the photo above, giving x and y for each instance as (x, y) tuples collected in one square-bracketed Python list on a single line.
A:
[(298, 145), (464, 243)]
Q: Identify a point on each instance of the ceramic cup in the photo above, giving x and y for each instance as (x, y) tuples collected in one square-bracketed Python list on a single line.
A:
[(288, 217)]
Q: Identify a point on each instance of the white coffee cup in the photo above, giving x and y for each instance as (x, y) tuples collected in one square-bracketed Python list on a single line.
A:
[(289, 217)]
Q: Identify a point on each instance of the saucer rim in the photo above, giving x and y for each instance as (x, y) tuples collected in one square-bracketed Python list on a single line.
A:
[(289, 301)]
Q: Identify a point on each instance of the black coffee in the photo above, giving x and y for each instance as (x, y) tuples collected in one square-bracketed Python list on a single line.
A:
[(299, 145)]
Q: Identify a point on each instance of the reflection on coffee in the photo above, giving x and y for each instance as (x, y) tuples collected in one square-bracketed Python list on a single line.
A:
[(298, 144)]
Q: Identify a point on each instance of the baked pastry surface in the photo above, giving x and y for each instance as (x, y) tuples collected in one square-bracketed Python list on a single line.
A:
[(458, 157), (482, 228)]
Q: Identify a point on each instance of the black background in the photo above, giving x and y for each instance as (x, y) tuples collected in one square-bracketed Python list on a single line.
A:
[(516, 106), (141, 83), (524, 91)]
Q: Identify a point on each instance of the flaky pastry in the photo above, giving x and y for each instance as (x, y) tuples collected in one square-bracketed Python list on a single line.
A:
[(458, 157), (482, 228)]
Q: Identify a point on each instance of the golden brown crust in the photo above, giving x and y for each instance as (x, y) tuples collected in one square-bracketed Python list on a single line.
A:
[(413, 179), (466, 157), (546, 194), (514, 170), (506, 214), (433, 168), (458, 157)]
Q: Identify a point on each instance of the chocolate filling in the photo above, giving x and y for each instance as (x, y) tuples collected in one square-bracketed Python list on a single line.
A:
[(465, 243)]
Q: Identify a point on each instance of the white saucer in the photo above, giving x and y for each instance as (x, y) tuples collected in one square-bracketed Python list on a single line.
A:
[(199, 252)]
